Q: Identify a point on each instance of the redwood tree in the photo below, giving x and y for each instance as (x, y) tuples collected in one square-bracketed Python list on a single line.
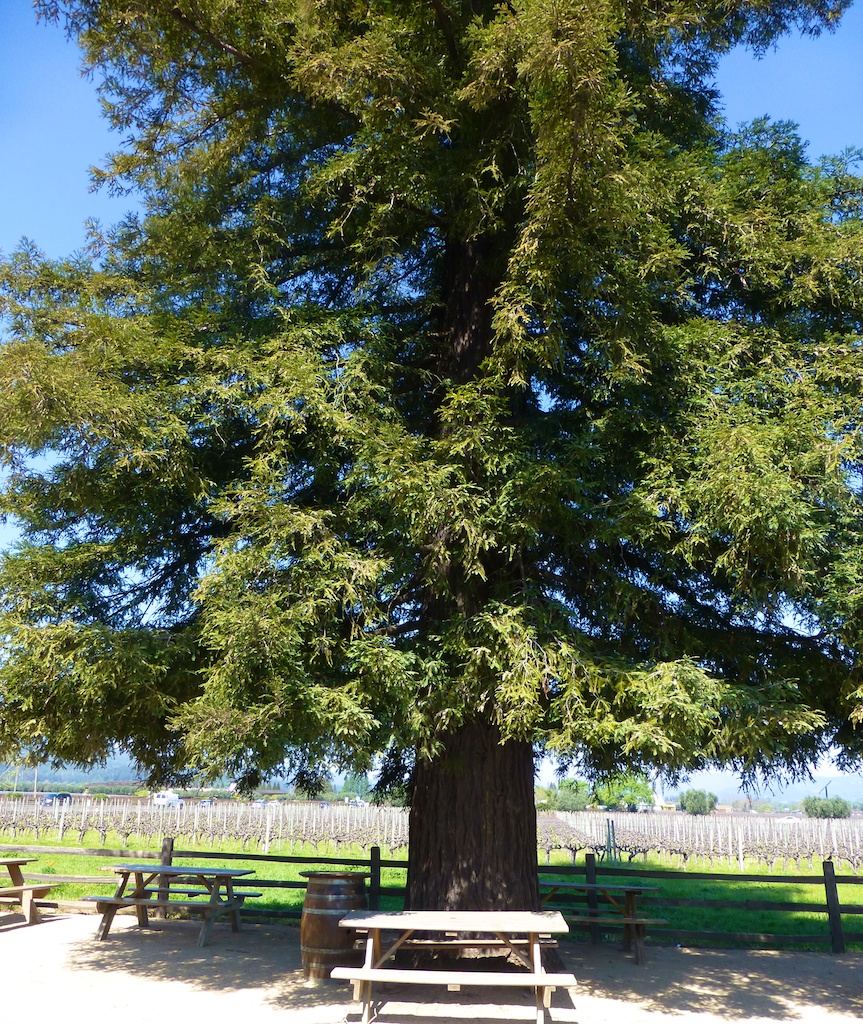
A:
[(466, 390)]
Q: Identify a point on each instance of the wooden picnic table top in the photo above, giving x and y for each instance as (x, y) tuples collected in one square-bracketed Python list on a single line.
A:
[(172, 870), (491, 921), (599, 886), (16, 861)]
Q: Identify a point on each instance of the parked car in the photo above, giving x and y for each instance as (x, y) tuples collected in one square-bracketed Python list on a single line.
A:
[(167, 798), (49, 799), (208, 801)]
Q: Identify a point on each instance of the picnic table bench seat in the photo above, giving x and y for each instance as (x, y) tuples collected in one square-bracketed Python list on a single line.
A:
[(456, 942), (150, 902), (455, 979), (200, 891), (109, 905), (26, 896)]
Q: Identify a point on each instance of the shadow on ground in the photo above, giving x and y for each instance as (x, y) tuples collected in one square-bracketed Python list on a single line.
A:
[(259, 956), (704, 985), (268, 958), (732, 985)]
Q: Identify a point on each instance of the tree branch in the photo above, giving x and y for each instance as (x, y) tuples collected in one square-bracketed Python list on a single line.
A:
[(445, 23), (181, 19)]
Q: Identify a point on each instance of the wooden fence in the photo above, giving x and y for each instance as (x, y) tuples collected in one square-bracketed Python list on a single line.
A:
[(833, 935), (657, 905)]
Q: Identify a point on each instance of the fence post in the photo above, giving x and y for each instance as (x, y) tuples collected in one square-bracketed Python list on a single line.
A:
[(166, 856), (834, 914), (375, 880), (592, 902)]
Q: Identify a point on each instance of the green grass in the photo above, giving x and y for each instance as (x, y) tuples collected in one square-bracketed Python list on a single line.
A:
[(726, 920), (69, 864)]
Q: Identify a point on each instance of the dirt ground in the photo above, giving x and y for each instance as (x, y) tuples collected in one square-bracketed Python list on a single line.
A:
[(58, 972)]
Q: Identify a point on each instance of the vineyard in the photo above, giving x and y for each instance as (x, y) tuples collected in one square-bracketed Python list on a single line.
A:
[(730, 842), (272, 827)]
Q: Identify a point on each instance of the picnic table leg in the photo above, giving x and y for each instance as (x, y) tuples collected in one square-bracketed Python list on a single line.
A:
[(629, 912), (639, 930), (234, 912), (206, 928), (543, 994), (29, 908), (105, 924), (16, 874), (137, 893), (373, 955)]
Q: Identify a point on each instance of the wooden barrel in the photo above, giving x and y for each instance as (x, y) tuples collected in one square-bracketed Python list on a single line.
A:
[(323, 945)]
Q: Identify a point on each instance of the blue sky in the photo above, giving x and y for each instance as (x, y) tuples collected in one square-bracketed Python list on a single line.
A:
[(51, 130)]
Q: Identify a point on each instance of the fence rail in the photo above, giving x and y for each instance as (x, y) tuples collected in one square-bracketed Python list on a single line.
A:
[(833, 935)]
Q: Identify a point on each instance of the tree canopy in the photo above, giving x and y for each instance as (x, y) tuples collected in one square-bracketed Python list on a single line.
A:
[(698, 801), (462, 369), (826, 807), (624, 791)]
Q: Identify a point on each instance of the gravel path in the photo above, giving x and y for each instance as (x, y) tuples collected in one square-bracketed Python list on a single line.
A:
[(57, 972)]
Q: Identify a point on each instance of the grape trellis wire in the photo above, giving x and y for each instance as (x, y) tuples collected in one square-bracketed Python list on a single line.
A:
[(729, 842)]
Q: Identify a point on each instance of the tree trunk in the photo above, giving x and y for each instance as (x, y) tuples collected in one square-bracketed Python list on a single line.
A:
[(473, 826)]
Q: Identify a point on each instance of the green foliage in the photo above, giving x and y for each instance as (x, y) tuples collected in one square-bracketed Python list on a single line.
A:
[(570, 795), (697, 801), (826, 807), (625, 791), (463, 364), (356, 784)]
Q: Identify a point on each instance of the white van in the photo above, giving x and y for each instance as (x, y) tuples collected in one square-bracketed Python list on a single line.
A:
[(167, 798)]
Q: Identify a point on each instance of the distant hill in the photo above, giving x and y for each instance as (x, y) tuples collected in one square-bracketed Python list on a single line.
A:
[(727, 787), (117, 769)]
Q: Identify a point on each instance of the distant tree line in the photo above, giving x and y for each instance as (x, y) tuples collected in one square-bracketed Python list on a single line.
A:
[(697, 801), (826, 807), (626, 791)]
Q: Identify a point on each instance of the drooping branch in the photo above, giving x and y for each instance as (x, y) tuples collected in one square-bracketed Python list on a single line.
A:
[(445, 23), (221, 44)]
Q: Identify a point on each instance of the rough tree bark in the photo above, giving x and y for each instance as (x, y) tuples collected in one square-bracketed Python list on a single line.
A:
[(473, 826)]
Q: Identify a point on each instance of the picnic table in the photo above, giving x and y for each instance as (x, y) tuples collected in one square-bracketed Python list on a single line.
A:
[(521, 933), (19, 891), (625, 912), (207, 891)]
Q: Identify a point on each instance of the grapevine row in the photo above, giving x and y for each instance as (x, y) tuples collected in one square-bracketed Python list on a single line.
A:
[(729, 842)]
